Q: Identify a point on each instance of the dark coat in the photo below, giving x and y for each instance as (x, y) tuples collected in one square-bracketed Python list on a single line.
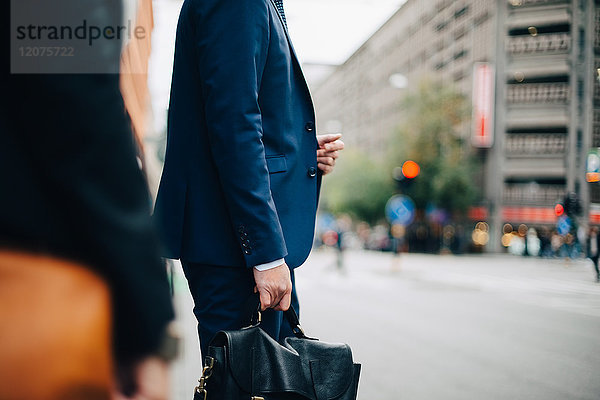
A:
[(71, 187), (589, 246)]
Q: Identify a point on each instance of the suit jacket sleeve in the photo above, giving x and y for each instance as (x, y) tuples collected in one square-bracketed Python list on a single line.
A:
[(232, 39)]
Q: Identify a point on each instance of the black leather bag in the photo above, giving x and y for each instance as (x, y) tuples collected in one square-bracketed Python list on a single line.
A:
[(249, 365)]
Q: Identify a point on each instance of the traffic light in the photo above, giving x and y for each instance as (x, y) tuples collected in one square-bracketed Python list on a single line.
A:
[(559, 209), (405, 174), (410, 169)]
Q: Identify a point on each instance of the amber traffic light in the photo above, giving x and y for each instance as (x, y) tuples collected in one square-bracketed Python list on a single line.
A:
[(410, 169)]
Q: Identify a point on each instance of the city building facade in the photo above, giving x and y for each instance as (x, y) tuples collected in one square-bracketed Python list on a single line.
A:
[(546, 98)]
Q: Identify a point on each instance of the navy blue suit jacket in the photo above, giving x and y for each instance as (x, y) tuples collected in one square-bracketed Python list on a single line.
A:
[(240, 183)]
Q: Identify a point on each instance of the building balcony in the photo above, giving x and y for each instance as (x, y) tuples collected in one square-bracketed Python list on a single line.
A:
[(529, 68), (597, 87), (542, 93), (542, 167), (529, 3), (535, 145), (528, 116), (596, 136), (554, 43), (532, 194), (524, 17)]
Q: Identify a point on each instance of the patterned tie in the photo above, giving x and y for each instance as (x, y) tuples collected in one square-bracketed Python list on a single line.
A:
[(279, 4)]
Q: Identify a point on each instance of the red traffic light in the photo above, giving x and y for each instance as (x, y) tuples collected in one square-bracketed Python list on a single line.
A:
[(410, 169), (559, 210)]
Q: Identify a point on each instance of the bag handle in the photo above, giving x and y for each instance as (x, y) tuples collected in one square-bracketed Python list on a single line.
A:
[(291, 316)]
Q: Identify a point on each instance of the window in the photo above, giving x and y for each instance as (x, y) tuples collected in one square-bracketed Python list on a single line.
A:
[(441, 26), (461, 12), (441, 5), (460, 32), (459, 75), (460, 54), (440, 65)]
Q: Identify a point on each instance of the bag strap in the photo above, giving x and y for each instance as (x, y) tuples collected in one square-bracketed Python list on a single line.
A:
[(291, 316)]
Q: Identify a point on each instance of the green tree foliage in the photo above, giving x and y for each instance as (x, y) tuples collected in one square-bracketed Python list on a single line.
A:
[(361, 183), (359, 186), (430, 136)]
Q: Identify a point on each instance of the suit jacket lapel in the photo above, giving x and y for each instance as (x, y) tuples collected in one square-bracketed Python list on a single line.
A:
[(287, 35), (291, 46)]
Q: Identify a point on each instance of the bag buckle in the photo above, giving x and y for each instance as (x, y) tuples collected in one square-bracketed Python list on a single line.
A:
[(256, 318), (200, 392)]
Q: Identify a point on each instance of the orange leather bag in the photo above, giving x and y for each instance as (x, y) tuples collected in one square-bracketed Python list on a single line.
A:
[(55, 330)]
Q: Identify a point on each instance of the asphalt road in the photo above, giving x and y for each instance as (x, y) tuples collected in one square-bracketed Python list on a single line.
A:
[(444, 327)]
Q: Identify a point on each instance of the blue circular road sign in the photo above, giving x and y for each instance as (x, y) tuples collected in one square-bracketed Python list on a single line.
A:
[(400, 210)]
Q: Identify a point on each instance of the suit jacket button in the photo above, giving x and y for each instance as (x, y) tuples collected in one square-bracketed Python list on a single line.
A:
[(312, 172), (310, 127), (247, 252)]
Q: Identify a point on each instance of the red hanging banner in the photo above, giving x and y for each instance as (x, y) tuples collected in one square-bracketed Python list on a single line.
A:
[(482, 133)]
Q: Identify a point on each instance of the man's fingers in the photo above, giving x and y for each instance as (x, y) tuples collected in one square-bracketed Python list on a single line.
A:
[(326, 160), (281, 290), (325, 168), (325, 153), (265, 299), (332, 137), (285, 302), (333, 146)]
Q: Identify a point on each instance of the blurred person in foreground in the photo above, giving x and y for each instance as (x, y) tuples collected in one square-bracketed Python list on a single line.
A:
[(240, 185), (84, 300)]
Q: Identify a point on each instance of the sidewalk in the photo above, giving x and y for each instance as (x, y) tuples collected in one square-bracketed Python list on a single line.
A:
[(444, 327)]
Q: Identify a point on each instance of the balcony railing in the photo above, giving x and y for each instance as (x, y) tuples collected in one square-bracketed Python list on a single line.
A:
[(539, 144), (555, 93), (597, 85), (597, 31), (526, 3), (542, 44), (596, 136), (532, 194)]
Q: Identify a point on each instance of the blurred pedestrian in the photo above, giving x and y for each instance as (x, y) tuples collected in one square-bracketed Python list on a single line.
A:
[(517, 245), (533, 243), (83, 291), (593, 248), (545, 246), (343, 225), (556, 242), (239, 190)]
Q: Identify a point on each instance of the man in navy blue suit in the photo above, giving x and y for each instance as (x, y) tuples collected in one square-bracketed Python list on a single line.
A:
[(240, 185)]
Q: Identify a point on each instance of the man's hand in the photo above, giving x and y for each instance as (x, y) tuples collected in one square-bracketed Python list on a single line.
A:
[(275, 287), (150, 381), (329, 147)]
